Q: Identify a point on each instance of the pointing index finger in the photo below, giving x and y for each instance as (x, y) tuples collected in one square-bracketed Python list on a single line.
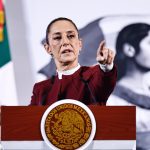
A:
[(101, 46)]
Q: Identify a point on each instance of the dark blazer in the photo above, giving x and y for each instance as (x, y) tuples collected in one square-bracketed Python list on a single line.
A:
[(88, 85)]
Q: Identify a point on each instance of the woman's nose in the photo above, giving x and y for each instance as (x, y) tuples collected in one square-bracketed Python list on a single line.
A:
[(65, 41)]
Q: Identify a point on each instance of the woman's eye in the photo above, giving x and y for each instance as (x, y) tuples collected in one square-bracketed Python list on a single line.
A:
[(57, 38), (71, 36)]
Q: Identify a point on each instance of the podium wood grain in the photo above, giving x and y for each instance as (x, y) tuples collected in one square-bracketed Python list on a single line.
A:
[(112, 122)]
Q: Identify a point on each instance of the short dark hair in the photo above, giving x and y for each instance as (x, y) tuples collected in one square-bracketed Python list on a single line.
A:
[(132, 34), (55, 20)]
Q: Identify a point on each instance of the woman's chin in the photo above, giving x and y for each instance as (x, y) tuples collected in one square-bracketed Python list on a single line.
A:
[(68, 59)]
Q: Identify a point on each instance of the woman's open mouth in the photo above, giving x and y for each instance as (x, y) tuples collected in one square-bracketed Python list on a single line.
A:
[(67, 51)]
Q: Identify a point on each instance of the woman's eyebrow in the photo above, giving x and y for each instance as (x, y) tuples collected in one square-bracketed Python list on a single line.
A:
[(59, 33), (70, 31)]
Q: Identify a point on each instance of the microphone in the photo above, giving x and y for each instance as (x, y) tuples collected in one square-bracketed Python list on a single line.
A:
[(86, 82)]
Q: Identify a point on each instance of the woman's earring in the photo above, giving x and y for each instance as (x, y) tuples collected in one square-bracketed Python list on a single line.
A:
[(51, 54)]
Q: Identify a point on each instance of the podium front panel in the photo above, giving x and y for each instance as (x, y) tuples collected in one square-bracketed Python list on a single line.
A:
[(113, 124)]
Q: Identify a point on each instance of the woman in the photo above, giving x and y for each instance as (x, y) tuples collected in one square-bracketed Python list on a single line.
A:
[(87, 84)]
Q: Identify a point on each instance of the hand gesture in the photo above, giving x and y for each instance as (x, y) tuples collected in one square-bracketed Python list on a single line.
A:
[(104, 54)]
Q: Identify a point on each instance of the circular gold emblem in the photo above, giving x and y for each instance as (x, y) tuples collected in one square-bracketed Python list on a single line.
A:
[(68, 125)]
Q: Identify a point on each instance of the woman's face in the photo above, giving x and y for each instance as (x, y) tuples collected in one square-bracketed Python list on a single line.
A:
[(64, 42), (143, 57)]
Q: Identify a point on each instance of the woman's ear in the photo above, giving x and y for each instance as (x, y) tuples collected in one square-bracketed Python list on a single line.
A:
[(47, 48), (128, 50)]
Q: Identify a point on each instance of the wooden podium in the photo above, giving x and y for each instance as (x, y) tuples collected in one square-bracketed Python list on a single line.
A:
[(22, 123)]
